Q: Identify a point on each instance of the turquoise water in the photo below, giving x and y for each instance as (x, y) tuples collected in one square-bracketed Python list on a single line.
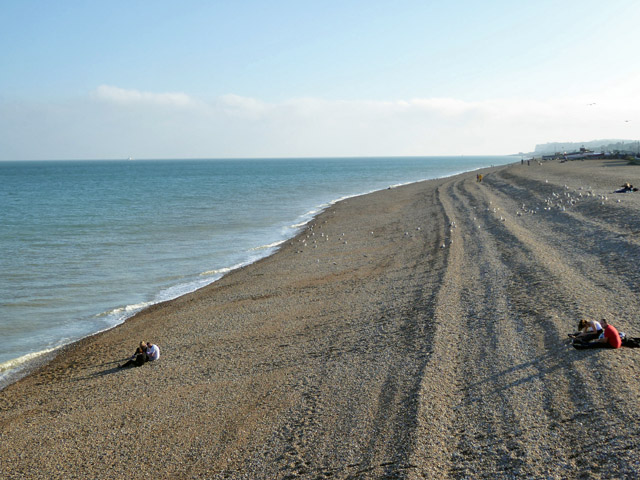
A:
[(86, 244)]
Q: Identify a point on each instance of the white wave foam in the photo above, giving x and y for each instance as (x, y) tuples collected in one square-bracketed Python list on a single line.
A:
[(19, 362), (298, 225), (333, 202), (183, 289), (222, 271), (126, 310), (270, 245), (310, 215)]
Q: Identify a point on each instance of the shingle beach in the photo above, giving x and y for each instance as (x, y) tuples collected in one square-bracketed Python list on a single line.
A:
[(418, 332)]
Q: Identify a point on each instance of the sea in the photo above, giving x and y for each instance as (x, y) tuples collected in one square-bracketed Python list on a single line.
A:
[(84, 245)]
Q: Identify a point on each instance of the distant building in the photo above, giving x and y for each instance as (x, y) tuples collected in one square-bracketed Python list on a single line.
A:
[(583, 153)]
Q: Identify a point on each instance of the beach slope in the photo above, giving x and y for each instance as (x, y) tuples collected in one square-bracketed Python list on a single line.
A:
[(415, 332)]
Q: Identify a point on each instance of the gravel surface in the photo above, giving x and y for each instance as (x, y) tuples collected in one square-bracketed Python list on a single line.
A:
[(416, 332)]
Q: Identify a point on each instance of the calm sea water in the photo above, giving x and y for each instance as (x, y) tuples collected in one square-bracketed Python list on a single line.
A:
[(86, 244)]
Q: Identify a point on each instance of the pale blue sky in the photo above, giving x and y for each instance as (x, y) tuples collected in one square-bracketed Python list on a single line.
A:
[(82, 79)]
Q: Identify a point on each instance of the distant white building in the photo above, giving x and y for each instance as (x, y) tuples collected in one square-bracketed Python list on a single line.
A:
[(579, 155)]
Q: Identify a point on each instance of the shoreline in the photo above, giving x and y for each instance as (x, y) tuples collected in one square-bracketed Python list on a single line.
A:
[(35, 360), (416, 332)]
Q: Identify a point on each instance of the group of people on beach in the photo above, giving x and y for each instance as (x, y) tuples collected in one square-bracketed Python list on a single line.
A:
[(594, 334), (146, 352)]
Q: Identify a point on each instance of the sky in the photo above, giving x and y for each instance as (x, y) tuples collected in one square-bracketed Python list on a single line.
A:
[(212, 79)]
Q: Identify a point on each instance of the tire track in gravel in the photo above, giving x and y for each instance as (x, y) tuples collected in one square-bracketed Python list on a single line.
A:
[(397, 407), (501, 315), (574, 385), (376, 429), (605, 231), (505, 389)]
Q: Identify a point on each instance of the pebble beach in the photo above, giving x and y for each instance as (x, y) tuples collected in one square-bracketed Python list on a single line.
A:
[(418, 332)]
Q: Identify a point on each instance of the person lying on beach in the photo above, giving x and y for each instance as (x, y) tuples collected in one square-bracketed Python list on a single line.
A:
[(588, 330), (139, 358), (152, 351), (627, 187), (610, 339)]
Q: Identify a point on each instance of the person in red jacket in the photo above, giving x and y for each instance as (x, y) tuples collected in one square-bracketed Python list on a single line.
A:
[(610, 338), (611, 335)]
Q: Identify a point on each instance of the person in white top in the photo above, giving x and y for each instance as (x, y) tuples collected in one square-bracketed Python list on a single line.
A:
[(153, 352), (589, 330)]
